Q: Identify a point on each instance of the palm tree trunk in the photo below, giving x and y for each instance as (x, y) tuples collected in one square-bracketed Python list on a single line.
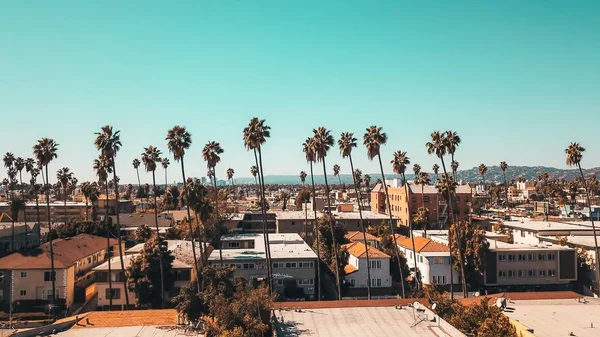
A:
[(334, 248), (589, 204), (305, 214), (160, 257), (137, 170), (86, 209), (392, 227), (24, 211), (108, 251), (65, 203), (362, 227), (412, 236), (52, 271), (37, 210), (263, 202), (218, 217), (187, 205), (316, 232), (505, 188), (423, 207), (201, 240), (119, 235)]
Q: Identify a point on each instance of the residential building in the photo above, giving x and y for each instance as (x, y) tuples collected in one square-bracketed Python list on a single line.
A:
[(30, 274), (355, 272), (182, 273), (131, 222), (433, 260), (251, 222), (26, 236), (73, 211), (357, 236), (405, 201), (294, 262)]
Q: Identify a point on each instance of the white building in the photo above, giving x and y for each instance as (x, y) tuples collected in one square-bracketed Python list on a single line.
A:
[(356, 269), (433, 259)]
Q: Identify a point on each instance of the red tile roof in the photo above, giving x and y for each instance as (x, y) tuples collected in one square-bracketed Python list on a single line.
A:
[(349, 269), (423, 245), (359, 250), (357, 236)]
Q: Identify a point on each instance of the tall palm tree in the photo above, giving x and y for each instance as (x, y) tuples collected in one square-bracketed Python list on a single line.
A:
[(503, 167), (19, 166), (35, 191), (45, 151), (303, 176), (165, 165), (400, 162), (85, 190), (452, 142), (150, 157), (136, 166), (423, 179), (482, 172), (103, 168), (436, 170), (574, 156), (439, 146), (336, 172), (109, 144), (367, 181), (199, 201), (178, 141), (308, 147), (254, 171), (323, 142), (373, 139), (230, 173), (65, 177), (416, 169), (211, 155), (255, 136), (346, 143)]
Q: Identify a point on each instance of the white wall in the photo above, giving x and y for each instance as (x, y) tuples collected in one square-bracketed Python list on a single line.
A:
[(430, 271), (525, 237), (360, 277)]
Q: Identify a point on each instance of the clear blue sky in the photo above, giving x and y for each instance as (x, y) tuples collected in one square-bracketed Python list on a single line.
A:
[(518, 80)]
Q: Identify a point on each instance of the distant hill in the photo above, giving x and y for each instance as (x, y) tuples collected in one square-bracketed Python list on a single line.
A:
[(470, 175)]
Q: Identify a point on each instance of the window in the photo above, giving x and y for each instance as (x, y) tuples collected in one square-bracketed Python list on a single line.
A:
[(420, 258), (293, 223), (248, 266), (376, 282), (438, 260), (511, 258), (116, 294), (521, 273), (47, 276), (375, 264), (23, 292), (277, 265), (23, 274), (551, 272), (233, 245), (426, 199), (551, 256), (542, 257), (531, 257), (89, 260), (532, 273), (542, 273), (306, 264), (522, 234), (512, 273), (291, 265), (521, 257), (501, 257), (501, 273), (305, 282)]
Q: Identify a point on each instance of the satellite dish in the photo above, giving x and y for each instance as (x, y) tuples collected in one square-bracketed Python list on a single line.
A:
[(499, 303), (416, 305), (434, 306), (477, 294)]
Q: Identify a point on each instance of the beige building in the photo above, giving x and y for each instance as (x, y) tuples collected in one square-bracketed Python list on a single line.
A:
[(30, 275), (74, 211), (26, 236)]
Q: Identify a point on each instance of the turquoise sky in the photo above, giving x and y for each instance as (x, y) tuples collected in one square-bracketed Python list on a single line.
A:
[(518, 80)]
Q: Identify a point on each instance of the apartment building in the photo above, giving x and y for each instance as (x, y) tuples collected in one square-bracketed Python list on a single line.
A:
[(543, 266), (26, 278), (405, 201), (74, 211), (294, 262), (355, 272), (26, 236), (433, 260)]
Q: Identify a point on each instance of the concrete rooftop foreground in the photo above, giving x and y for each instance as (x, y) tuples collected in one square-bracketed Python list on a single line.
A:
[(549, 318), (360, 322)]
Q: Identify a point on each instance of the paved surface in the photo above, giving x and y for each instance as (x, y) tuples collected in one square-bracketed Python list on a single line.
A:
[(130, 331), (551, 318), (364, 321)]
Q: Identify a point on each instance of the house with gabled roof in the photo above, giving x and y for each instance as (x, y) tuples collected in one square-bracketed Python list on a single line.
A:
[(355, 272), (433, 260)]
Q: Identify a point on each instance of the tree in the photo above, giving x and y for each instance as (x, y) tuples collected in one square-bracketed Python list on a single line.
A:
[(336, 172), (143, 274), (323, 141), (482, 172), (65, 178), (200, 203), (165, 165), (45, 152), (103, 168), (574, 156), (109, 144), (19, 166), (398, 265), (400, 162), (503, 167), (304, 200), (255, 136), (211, 153), (136, 166), (178, 141), (283, 197), (474, 247), (346, 143), (230, 173), (373, 139), (452, 142), (422, 179), (331, 245), (436, 170), (254, 171), (308, 147), (150, 158)]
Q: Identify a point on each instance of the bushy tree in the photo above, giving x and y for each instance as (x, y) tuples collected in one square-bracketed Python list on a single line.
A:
[(474, 247), (143, 233), (326, 244), (143, 274)]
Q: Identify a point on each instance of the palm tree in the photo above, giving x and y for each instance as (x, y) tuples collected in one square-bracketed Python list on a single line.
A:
[(503, 167), (373, 139), (346, 143), (323, 142), (109, 144), (452, 142), (230, 173), (400, 163), (439, 146), (45, 151), (416, 169), (35, 190), (178, 141), (254, 171), (19, 166), (136, 166), (65, 177), (165, 165), (86, 191), (198, 196), (255, 136), (423, 179), (482, 172), (308, 147), (574, 156), (303, 176), (367, 181), (211, 155), (436, 170), (336, 172), (150, 157), (103, 168)]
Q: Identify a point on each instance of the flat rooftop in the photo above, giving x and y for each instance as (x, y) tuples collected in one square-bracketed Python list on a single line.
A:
[(360, 322), (283, 246), (549, 318), (535, 226)]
